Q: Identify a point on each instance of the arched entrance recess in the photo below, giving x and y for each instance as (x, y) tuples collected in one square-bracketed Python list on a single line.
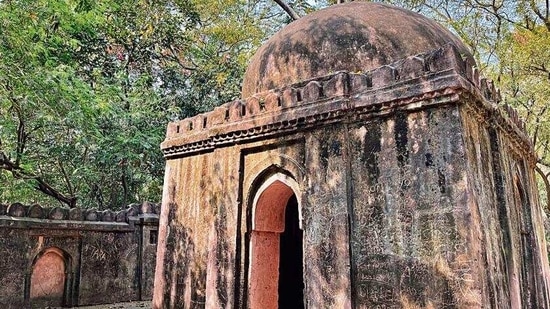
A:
[(48, 278), (276, 249)]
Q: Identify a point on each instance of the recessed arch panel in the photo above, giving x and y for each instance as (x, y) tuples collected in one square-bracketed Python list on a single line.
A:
[(48, 278)]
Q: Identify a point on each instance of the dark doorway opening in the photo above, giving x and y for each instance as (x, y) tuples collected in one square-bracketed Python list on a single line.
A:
[(291, 275)]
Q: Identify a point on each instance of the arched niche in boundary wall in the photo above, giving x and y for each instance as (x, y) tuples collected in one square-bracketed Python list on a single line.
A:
[(49, 278), (276, 246)]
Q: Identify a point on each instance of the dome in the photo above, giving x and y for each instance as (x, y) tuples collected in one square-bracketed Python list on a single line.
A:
[(355, 37)]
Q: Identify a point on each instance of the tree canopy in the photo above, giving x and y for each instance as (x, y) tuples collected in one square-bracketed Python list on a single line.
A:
[(87, 87)]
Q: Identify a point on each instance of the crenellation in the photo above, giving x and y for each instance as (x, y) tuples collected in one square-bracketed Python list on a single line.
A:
[(218, 116), (92, 215), (58, 213), (488, 92), (360, 82), (312, 92), (148, 208), (444, 58), (17, 210), (514, 117), (120, 216), (469, 73), (333, 86), (336, 85), (326, 87), (198, 122), (108, 215), (491, 93), (133, 210), (410, 67), (205, 121), (201, 131), (494, 92), (272, 101), (484, 89), (252, 106), (383, 76), (36, 211), (173, 129), (236, 110), (289, 97), (76, 214), (476, 77)]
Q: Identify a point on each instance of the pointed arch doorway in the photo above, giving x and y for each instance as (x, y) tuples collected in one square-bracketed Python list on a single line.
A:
[(276, 247)]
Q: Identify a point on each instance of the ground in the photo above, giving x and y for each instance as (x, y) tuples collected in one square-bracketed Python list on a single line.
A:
[(130, 305)]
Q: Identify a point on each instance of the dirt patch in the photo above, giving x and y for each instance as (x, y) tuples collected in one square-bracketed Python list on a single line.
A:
[(130, 305)]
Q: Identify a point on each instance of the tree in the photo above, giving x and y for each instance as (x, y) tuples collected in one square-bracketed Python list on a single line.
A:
[(37, 90), (81, 118), (86, 89)]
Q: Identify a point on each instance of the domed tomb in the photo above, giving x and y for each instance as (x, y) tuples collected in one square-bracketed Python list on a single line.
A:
[(354, 37), (377, 173)]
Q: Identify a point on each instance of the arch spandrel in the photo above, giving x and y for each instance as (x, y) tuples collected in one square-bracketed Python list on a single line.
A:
[(274, 163)]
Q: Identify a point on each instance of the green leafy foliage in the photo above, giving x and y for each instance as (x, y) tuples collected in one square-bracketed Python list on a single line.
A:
[(87, 88)]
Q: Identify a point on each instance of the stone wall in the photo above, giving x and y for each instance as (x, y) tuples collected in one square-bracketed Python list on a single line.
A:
[(62, 257)]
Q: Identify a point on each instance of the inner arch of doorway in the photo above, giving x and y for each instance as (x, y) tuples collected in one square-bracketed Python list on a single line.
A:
[(272, 196), (269, 207)]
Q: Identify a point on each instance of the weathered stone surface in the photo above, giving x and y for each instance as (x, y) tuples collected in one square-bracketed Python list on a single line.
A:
[(108, 216), (414, 188), (133, 210), (92, 215), (109, 268), (36, 211), (407, 200), (58, 213), (17, 210), (353, 37), (63, 260), (121, 216), (76, 214)]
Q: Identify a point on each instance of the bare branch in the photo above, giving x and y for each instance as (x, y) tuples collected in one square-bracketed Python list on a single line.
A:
[(546, 184), (287, 9), (45, 188), (66, 178), (543, 17), (41, 185)]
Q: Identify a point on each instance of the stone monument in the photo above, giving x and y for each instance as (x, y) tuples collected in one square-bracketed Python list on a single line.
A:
[(367, 165)]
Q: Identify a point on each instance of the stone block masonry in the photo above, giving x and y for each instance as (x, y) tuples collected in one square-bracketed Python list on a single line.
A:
[(61, 257)]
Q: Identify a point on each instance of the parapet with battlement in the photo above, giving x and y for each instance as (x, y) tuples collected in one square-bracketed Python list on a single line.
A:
[(437, 77)]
